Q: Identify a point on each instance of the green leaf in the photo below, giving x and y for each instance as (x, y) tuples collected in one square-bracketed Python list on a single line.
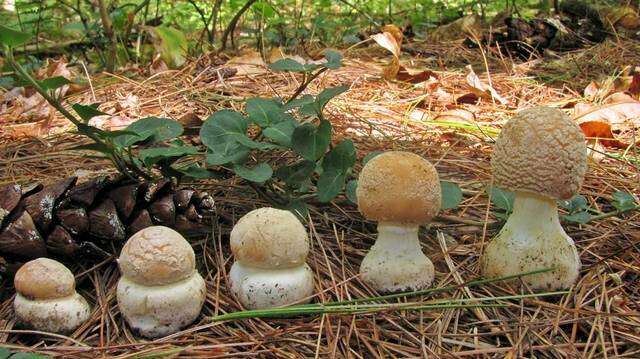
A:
[(299, 208), (7, 82), (370, 156), (299, 102), (259, 174), (12, 38), (98, 147), (581, 217), (623, 201), (281, 132), (341, 158), (501, 199), (87, 112), (150, 130), (197, 172), (229, 152), (291, 65), (334, 59), (53, 83), (222, 127), (311, 142), (264, 112), (4, 353), (328, 94), (350, 191), (575, 204), (170, 43), (330, 184), (296, 174), (451, 195), (151, 156)]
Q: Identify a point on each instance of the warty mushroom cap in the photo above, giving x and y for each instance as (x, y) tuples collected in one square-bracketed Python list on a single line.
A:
[(399, 187), (270, 238), (157, 255), (541, 151), (44, 278)]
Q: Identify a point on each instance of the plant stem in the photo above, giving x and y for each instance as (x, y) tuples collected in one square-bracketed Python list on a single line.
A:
[(305, 84), (613, 213), (232, 24), (108, 31)]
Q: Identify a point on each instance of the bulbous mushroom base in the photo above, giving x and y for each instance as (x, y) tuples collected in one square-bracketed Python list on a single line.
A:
[(396, 263), (61, 315), (259, 288), (533, 239), (155, 311)]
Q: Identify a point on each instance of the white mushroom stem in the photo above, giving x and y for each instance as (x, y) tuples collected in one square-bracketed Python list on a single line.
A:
[(60, 315), (533, 239), (259, 288), (159, 310), (396, 262)]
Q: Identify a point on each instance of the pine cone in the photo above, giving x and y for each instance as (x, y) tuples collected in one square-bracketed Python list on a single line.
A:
[(91, 219)]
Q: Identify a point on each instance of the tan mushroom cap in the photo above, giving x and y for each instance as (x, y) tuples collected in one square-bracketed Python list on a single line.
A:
[(542, 151), (44, 278), (270, 238), (399, 187), (157, 255)]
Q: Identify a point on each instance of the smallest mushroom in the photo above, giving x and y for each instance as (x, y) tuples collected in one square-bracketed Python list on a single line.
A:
[(270, 247), (160, 290), (46, 297)]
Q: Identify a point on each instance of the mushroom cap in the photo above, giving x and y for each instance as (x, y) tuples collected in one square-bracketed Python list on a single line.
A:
[(157, 255), (399, 187), (541, 151), (270, 238), (44, 278)]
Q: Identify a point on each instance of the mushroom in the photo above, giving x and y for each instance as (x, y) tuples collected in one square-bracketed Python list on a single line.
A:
[(46, 297), (270, 247), (160, 291), (401, 191), (541, 156)]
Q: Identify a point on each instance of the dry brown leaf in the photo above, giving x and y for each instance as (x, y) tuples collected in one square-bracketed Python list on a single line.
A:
[(393, 30), (625, 17), (277, 53), (468, 26), (110, 122), (619, 113), (157, 66), (248, 63), (480, 89), (460, 115), (394, 70)]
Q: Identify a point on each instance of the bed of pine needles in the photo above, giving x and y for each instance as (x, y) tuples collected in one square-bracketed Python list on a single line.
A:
[(599, 318)]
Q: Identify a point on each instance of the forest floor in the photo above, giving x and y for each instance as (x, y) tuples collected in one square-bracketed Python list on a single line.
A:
[(600, 317)]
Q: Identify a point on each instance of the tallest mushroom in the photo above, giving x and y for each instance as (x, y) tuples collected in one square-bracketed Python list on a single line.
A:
[(541, 156)]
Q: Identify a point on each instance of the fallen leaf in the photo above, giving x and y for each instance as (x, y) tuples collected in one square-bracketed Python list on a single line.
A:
[(394, 30), (276, 54), (394, 70), (158, 66), (460, 115), (248, 63), (387, 41), (480, 89), (468, 26), (618, 113), (110, 122)]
